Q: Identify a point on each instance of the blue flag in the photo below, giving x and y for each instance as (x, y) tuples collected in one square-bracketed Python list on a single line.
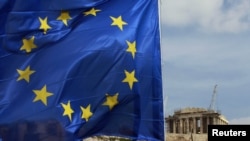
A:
[(73, 69)]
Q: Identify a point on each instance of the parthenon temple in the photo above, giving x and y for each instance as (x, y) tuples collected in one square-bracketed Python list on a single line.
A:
[(193, 120)]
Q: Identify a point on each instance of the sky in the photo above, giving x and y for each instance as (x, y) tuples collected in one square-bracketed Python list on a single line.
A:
[(206, 43)]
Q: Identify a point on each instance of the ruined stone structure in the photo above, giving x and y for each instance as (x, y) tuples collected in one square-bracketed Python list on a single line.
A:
[(193, 120)]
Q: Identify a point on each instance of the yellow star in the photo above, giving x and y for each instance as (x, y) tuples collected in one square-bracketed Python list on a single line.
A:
[(25, 74), (44, 25), (118, 21), (42, 95), (67, 110), (130, 78), (28, 44), (91, 12), (131, 48), (64, 17), (111, 101), (86, 113)]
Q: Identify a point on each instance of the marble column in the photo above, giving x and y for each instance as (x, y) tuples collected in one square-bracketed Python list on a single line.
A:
[(187, 125), (181, 126), (174, 126), (201, 125), (194, 125)]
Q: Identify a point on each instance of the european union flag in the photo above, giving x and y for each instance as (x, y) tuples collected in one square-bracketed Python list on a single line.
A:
[(73, 69)]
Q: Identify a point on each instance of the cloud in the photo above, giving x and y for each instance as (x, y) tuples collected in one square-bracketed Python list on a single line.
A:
[(244, 120), (207, 15)]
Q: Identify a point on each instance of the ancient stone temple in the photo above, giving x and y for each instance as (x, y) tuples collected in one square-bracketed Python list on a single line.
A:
[(195, 120)]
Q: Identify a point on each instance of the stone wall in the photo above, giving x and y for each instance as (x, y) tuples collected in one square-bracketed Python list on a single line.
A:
[(169, 137), (186, 137)]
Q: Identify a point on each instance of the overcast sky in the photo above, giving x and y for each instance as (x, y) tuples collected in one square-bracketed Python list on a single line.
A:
[(207, 43)]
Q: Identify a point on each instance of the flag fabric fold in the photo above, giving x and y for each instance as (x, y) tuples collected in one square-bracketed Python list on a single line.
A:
[(70, 70)]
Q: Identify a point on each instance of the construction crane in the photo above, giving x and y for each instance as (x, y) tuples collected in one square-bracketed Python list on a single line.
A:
[(212, 104)]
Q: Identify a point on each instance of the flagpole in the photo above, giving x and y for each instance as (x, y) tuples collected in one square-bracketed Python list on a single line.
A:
[(162, 68)]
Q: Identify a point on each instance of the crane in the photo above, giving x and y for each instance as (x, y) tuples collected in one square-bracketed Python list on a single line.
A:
[(212, 104)]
